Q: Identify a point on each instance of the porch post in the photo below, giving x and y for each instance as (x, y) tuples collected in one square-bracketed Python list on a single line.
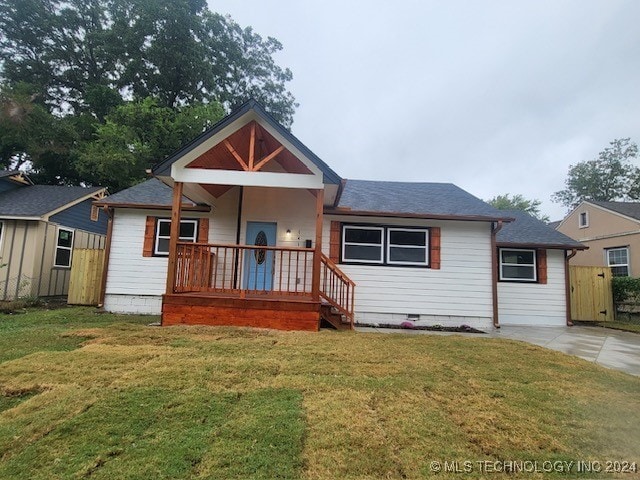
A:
[(315, 283), (176, 211)]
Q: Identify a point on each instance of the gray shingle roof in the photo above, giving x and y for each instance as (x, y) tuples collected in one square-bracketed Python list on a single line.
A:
[(437, 199), (8, 173), (630, 209), (529, 231), (555, 224), (38, 200), (150, 192)]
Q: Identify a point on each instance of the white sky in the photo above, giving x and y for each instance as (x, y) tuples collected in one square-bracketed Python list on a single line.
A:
[(494, 96)]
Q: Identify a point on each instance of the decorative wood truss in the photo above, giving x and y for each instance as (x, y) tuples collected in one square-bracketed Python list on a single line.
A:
[(250, 149)]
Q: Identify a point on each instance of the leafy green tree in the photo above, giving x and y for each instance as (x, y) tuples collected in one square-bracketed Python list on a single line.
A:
[(31, 135), (133, 77), (518, 202), (611, 176), (87, 55), (138, 134)]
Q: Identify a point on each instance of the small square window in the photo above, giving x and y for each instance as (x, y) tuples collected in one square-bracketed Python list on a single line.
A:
[(188, 233), (618, 261), (518, 265), (583, 220)]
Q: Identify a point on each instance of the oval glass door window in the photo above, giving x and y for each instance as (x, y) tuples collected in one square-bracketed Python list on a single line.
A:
[(261, 241)]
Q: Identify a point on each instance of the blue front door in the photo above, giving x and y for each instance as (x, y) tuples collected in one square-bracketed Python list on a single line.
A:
[(258, 271)]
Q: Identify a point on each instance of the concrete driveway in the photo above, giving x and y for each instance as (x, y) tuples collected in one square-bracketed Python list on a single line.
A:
[(609, 348)]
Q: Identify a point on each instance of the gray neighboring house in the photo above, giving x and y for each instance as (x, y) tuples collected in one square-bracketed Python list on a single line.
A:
[(40, 226)]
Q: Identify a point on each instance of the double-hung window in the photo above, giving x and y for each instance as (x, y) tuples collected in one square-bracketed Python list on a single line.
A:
[(407, 246), (64, 246), (362, 244), (618, 260), (188, 233), (385, 245), (518, 265)]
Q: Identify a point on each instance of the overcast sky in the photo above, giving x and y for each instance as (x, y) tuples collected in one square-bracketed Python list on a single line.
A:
[(494, 96)]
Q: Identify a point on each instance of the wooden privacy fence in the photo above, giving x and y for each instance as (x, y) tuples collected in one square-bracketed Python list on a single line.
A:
[(591, 294), (86, 276)]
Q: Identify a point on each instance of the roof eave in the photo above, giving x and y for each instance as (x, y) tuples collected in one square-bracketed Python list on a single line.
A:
[(549, 246), (21, 217), (426, 216), (149, 206)]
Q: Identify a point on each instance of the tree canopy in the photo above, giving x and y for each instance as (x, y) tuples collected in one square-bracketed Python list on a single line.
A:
[(518, 202), (81, 75), (612, 176)]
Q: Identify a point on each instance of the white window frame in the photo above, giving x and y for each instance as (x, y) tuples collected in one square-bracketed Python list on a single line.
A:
[(55, 251), (586, 220), (362, 227), (157, 236), (510, 279), (426, 246), (608, 259)]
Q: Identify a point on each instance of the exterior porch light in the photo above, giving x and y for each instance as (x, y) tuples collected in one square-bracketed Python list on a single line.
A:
[(288, 233)]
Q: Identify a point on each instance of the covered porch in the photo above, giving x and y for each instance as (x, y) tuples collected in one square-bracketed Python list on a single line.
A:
[(268, 193)]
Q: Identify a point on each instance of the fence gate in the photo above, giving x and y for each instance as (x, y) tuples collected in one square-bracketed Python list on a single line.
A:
[(86, 276), (591, 294)]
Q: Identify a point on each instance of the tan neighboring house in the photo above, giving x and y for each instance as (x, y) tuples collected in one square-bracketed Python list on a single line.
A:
[(40, 227), (611, 230)]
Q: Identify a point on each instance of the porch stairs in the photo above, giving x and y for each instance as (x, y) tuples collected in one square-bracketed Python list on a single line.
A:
[(332, 318)]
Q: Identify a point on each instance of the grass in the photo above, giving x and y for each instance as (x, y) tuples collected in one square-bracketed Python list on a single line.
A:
[(86, 395), (618, 325)]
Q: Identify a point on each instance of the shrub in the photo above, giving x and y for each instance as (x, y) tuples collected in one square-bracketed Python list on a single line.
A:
[(626, 289)]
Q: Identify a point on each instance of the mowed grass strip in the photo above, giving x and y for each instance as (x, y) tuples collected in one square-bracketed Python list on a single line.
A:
[(133, 401), (155, 433)]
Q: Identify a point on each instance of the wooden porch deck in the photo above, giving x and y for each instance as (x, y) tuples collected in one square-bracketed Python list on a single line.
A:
[(207, 277)]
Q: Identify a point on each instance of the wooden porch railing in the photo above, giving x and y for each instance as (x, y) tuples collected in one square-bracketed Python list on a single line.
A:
[(337, 288), (242, 270)]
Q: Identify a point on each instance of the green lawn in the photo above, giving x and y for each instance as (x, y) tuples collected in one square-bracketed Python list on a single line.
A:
[(87, 395)]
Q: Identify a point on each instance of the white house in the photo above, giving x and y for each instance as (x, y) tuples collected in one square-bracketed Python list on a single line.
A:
[(246, 226)]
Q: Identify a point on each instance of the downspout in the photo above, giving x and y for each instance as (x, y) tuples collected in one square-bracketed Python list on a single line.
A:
[(107, 253), (494, 271), (567, 284), (238, 226)]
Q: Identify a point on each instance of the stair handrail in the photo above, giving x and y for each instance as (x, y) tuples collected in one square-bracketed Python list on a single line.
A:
[(337, 289)]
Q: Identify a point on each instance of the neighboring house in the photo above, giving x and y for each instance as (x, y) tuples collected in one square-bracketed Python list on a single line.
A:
[(40, 226), (246, 226), (611, 230)]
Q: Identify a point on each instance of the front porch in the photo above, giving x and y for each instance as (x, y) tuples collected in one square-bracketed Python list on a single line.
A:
[(258, 180), (257, 286)]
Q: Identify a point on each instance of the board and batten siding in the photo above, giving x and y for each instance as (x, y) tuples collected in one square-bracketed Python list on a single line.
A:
[(27, 251), (521, 303), (458, 293)]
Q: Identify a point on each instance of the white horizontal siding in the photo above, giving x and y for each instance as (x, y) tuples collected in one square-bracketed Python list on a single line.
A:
[(460, 288), (534, 303), (290, 209), (130, 273)]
